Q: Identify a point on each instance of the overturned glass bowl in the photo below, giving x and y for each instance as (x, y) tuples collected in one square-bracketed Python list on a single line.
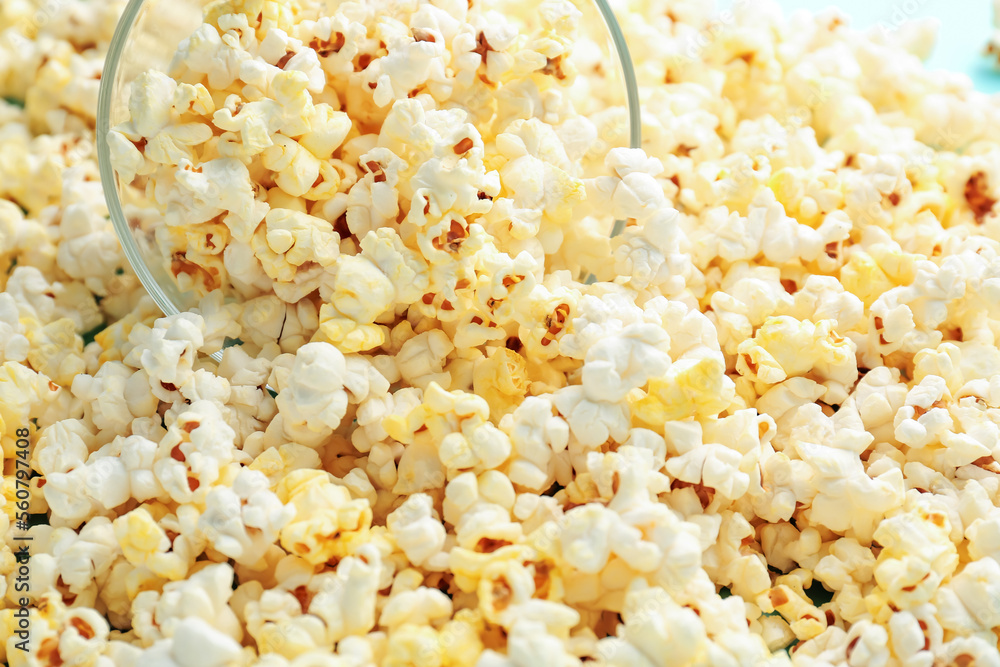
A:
[(148, 38)]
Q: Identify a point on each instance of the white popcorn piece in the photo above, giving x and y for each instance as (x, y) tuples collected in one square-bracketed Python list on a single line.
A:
[(315, 392), (416, 530), (243, 522), (421, 359), (419, 607), (591, 423), (617, 364), (203, 597), (346, 601), (536, 436)]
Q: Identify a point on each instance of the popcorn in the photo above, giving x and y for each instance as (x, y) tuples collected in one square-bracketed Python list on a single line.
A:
[(420, 607), (213, 647), (299, 238), (219, 186), (969, 600), (898, 567), (646, 254), (195, 452), (715, 466), (848, 561), (652, 620), (591, 423), (494, 434), (315, 394), (975, 648), (803, 347), (361, 293), (203, 596), (405, 268), (323, 510), (502, 380), (420, 360), (167, 351), (243, 522), (616, 365), (416, 531), (537, 436), (63, 446), (346, 600), (455, 423), (690, 386), (277, 627)]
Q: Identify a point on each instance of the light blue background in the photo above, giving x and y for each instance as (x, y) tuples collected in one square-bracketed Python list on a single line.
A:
[(964, 29)]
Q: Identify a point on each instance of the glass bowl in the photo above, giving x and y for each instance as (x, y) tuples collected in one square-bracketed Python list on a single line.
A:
[(146, 38)]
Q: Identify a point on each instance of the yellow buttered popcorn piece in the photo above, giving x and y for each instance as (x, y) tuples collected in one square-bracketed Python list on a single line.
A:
[(140, 536), (870, 274), (786, 347), (266, 14), (502, 379), (361, 290), (327, 521), (346, 334), (361, 293), (863, 277), (57, 351), (691, 388)]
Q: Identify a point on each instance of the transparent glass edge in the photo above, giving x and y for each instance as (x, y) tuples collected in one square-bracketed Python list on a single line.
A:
[(628, 72), (108, 177), (631, 85)]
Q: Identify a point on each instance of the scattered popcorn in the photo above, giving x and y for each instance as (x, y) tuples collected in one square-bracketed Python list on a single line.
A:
[(455, 422)]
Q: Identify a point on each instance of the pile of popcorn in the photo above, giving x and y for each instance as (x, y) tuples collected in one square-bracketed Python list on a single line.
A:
[(761, 426)]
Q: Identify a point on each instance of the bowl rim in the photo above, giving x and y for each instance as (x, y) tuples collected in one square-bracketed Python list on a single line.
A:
[(109, 178)]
